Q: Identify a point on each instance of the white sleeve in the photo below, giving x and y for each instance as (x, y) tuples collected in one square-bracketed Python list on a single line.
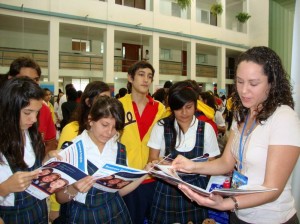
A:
[(219, 119), (285, 127), (59, 111), (157, 138), (210, 141)]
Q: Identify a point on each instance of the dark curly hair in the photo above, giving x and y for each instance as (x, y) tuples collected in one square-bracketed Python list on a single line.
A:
[(280, 92)]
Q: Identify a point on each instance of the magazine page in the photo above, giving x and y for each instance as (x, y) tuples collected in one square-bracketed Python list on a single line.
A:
[(113, 177), (245, 189), (74, 155), (53, 177)]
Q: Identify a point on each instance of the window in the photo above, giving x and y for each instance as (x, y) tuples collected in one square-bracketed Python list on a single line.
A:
[(201, 59), (81, 45), (176, 10), (165, 54), (140, 4), (80, 84), (205, 15)]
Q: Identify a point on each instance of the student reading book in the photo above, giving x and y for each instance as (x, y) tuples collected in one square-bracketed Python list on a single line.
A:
[(91, 205), (21, 151), (180, 134)]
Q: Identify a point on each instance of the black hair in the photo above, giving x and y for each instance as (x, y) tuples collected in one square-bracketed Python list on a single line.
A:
[(180, 93), (136, 66), (23, 62), (15, 95), (82, 111), (106, 107)]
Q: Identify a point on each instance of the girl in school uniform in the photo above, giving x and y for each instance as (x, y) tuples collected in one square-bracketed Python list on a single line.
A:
[(21, 151), (181, 133), (88, 204)]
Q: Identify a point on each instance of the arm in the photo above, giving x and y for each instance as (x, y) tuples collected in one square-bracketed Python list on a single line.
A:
[(132, 186), (282, 156), (222, 165), (69, 192), (153, 155)]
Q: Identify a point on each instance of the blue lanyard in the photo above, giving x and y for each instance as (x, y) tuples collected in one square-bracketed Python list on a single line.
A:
[(242, 146)]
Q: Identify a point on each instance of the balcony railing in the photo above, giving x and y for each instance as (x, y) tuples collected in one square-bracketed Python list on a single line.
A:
[(82, 61)]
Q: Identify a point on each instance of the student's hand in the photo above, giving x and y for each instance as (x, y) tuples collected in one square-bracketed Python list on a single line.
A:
[(54, 154), (182, 164), (149, 166), (18, 182), (84, 185)]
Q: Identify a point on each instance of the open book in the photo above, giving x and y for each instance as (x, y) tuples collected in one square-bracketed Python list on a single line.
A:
[(169, 175), (57, 174)]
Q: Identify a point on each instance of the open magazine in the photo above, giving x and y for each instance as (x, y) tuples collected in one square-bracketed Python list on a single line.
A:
[(57, 174), (171, 176)]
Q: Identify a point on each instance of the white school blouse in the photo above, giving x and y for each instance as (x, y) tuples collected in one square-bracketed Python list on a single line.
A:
[(108, 155), (29, 158), (188, 140)]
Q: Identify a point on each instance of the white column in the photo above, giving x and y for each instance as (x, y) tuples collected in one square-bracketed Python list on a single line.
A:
[(295, 80), (108, 61), (154, 59), (221, 76), (53, 53), (191, 60)]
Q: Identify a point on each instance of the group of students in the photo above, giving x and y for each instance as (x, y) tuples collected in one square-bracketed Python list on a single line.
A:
[(138, 131)]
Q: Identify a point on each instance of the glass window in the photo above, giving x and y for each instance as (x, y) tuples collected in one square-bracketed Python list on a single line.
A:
[(80, 84)]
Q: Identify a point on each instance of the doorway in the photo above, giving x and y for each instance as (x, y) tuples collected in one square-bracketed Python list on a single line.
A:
[(131, 53)]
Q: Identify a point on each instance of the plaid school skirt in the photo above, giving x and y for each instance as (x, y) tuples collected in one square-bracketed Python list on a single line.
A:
[(111, 211), (170, 205), (36, 213)]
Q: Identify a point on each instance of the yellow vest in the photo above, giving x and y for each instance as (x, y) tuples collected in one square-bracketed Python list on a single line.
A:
[(137, 149)]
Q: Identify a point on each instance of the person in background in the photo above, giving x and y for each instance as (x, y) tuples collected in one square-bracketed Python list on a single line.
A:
[(208, 99), (76, 126), (25, 66), (69, 107), (47, 98), (62, 100), (122, 92), (22, 151), (56, 104), (141, 113), (181, 133), (79, 93), (263, 145), (88, 204), (146, 57)]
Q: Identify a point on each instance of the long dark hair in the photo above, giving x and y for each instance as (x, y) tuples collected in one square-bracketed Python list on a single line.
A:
[(92, 90), (280, 92), (180, 93), (16, 94)]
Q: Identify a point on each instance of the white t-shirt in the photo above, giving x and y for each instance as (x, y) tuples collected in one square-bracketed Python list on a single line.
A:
[(282, 128), (108, 155), (219, 120), (188, 140), (62, 100), (5, 171)]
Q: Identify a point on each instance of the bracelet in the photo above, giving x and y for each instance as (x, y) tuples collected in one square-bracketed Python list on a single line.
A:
[(70, 195), (236, 204)]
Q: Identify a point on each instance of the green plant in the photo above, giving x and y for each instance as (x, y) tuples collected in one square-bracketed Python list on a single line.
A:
[(242, 17), (216, 9), (184, 3)]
